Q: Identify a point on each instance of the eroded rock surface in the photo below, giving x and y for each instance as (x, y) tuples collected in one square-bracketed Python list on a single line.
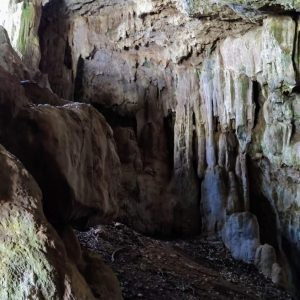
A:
[(202, 98), (34, 264), (39, 261), (241, 236), (71, 152), (193, 98), (57, 144)]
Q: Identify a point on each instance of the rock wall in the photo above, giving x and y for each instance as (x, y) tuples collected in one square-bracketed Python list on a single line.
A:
[(250, 85), (202, 97), (198, 104), (129, 62), (55, 141), (21, 20), (34, 263)]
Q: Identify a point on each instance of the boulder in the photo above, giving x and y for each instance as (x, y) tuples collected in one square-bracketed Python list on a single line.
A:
[(102, 279), (241, 236), (279, 276), (34, 264), (265, 257), (213, 200), (71, 152)]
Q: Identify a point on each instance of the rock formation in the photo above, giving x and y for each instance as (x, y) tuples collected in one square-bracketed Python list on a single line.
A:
[(39, 261), (202, 102), (34, 264)]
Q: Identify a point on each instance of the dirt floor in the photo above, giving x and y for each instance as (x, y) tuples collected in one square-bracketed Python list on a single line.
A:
[(188, 269)]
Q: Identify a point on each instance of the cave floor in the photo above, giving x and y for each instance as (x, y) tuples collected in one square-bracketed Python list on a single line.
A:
[(189, 269)]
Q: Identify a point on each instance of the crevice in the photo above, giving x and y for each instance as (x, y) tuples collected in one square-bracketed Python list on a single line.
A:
[(78, 86), (169, 123), (195, 157), (261, 207), (115, 118), (294, 264), (68, 56), (296, 50), (256, 97)]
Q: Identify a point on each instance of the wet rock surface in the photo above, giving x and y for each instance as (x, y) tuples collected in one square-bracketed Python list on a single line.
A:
[(189, 269)]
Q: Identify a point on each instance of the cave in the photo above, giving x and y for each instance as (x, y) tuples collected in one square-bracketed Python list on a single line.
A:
[(149, 149)]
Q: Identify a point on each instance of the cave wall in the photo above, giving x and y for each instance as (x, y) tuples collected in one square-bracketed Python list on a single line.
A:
[(133, 64), (230, 89), (40, 255), (21, 19), (203, 100)]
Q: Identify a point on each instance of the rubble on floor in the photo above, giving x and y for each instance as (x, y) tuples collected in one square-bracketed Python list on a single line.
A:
[(189, 269)]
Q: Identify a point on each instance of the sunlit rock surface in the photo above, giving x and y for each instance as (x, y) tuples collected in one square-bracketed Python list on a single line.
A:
[(34, 264), (21, 20)]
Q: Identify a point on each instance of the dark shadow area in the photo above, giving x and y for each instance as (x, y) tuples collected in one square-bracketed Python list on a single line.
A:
[(56, 54), (195, 145), (78, 85), (256, 98), (44, 23), (267, 219), (114, 118), (169, 123), (6, 181), (262, 208), (296, 49), (58, 198), (68, 56), (293, 259)]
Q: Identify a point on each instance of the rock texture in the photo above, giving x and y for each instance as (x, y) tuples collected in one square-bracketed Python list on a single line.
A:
[(250, 88), (203, 101), (253, 9), (131, 68), (241, 236), (70, 150), (194, 99), (10, 61), (21, 20), (56, 143), (34, 264)]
